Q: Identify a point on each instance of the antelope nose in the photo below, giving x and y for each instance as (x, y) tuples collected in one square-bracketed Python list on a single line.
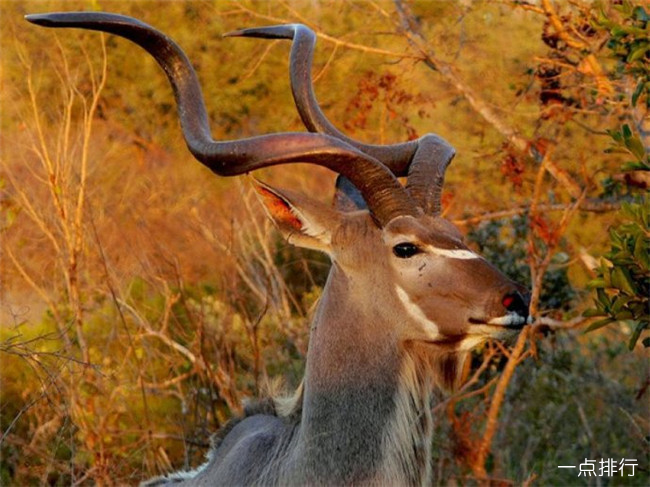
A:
[(517, 302)]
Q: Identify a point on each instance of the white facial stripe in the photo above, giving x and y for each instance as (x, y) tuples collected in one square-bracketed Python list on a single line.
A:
[(417, 314), (462, 254)]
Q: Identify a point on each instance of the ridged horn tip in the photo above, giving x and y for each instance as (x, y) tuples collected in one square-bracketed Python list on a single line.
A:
[(46, 20)]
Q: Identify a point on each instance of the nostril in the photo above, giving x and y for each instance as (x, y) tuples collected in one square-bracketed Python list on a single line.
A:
[(508, 300), (515, 302)]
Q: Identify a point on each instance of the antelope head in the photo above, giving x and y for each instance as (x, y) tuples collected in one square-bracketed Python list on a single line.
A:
[(448, 296), (380, 231)]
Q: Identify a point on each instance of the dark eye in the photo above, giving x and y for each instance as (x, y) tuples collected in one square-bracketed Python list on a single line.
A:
[(405, 250)]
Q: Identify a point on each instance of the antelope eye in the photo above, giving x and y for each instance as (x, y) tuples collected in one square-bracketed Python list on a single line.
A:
[(406, 250)]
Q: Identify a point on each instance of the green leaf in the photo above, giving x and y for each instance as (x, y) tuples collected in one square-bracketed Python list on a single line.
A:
[(615, 237), (603, 299), (640, 14), (638, 52), (641, 253), (616, 306), (636, 147), (622, 280), (591, 312), (635, 166), (616, 135), (637, 333), (624, 315), (627, 131), (599, 324), (639, 309), (597, 283), (637, 92)]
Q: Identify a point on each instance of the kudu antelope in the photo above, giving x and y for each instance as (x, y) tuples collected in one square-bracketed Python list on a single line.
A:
[(404, 302)]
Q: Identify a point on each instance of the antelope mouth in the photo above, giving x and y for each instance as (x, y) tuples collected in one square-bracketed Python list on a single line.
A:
[(511, 321)]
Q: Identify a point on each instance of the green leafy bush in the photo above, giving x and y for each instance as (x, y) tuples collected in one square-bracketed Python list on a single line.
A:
[(629, 43), (623, 279)]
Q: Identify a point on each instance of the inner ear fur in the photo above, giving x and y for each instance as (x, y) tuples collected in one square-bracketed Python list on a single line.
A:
[(303, 221)]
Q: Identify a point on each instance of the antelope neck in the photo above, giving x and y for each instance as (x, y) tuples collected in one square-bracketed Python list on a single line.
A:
[(353, 418)]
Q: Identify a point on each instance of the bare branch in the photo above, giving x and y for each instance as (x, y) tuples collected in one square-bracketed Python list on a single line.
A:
[(478, 465), (333, 40), (410, 29), (588, 205)]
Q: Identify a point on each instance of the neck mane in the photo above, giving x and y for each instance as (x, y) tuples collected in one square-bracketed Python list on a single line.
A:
[(366, 398)]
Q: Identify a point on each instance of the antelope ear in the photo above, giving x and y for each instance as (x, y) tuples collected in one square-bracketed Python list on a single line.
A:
[(304, 222)]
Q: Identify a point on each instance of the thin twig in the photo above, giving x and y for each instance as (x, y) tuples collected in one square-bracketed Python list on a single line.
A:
[(334, 40), (478, 466)]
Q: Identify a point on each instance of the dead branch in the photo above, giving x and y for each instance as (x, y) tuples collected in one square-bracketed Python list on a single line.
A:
[(588, 205)]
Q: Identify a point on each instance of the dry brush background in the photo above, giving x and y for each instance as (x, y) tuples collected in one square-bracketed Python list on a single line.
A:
[(143, 299)]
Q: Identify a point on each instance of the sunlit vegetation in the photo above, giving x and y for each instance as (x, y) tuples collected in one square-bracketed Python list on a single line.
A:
[(143, 299)]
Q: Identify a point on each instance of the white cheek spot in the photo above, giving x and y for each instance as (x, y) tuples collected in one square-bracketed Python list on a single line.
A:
[(415, 312), (461, 254)]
